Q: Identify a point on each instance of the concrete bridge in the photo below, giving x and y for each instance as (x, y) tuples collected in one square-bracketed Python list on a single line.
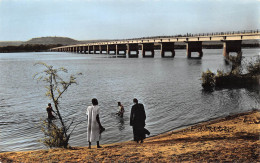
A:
[(232, 42)]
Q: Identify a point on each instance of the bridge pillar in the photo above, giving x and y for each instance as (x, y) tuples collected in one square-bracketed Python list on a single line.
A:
[(167, 47), (121, 47), (102, 48), (90, 49), (95, 48), (194, 47), (84, 49), (87, 50), (77, 49), (132, 47), (111, 48), (147, 47), (232, 46)]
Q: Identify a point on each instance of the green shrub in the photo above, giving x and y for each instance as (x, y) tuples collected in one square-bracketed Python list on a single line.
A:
[(208, 80), (220, 73), (53, 135), (253, 68)]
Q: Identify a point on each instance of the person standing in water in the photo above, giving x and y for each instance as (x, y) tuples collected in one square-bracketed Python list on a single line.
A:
[(94, 126), (49, 111), (137, 121), (121, 110)]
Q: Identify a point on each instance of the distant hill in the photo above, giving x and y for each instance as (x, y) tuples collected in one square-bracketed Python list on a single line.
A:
[(52, 40), (42, 41)]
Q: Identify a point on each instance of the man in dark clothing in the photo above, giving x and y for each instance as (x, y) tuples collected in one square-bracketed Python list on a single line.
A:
[(137, 121)]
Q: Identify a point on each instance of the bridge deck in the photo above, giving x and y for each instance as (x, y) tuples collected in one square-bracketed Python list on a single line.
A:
[(208, 38)]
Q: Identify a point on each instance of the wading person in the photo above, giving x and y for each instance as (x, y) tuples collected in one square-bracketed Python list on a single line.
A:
[(137, 121), (121, 110), (50, 111), (94, 126)]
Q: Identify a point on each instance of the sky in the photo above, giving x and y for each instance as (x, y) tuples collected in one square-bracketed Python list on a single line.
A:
[(21, 20)]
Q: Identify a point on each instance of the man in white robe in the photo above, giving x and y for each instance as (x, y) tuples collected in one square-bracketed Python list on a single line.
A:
[(94, 126)]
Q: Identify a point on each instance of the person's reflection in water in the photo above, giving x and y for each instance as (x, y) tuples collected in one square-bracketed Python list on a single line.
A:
[(121, 124)]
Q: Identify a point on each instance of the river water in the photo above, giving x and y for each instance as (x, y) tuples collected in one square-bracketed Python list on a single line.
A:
[(169, 88)]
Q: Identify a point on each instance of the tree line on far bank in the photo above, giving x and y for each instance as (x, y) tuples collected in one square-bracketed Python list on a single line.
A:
[(28, 48)]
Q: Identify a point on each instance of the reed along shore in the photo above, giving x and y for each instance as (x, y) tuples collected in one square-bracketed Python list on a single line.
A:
[(231, 139)]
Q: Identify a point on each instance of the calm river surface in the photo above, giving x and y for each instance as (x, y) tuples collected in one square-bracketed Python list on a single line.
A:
[(170, 90)]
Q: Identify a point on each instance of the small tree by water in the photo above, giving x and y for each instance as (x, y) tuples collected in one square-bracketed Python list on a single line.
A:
[(235, 77), (208, 80), (57, 133)]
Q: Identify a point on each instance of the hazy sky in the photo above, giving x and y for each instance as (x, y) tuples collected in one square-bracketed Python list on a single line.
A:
[(116, 19)]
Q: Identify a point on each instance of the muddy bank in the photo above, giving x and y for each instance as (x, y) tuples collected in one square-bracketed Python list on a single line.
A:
[(234, 138)]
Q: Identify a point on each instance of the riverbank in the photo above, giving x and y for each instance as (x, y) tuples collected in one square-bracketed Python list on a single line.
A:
[(234, 138)]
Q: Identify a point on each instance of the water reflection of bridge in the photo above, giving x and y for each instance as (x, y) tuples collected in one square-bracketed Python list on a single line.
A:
[(232, 42)]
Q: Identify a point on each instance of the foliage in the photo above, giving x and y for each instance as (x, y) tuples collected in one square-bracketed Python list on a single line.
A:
[(220, 73), (254, 67), (208, 80), (236, 68), (27, 48), (235, 77), (56, 135)]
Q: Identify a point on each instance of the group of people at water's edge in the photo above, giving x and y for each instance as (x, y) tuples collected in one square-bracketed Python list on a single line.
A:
[(137, 121)]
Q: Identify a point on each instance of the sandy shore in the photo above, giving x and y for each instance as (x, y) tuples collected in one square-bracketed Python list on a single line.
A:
[(231, 139)]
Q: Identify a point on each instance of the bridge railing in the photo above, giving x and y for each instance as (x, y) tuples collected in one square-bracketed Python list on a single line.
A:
[(193, 35), (200, 34)]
